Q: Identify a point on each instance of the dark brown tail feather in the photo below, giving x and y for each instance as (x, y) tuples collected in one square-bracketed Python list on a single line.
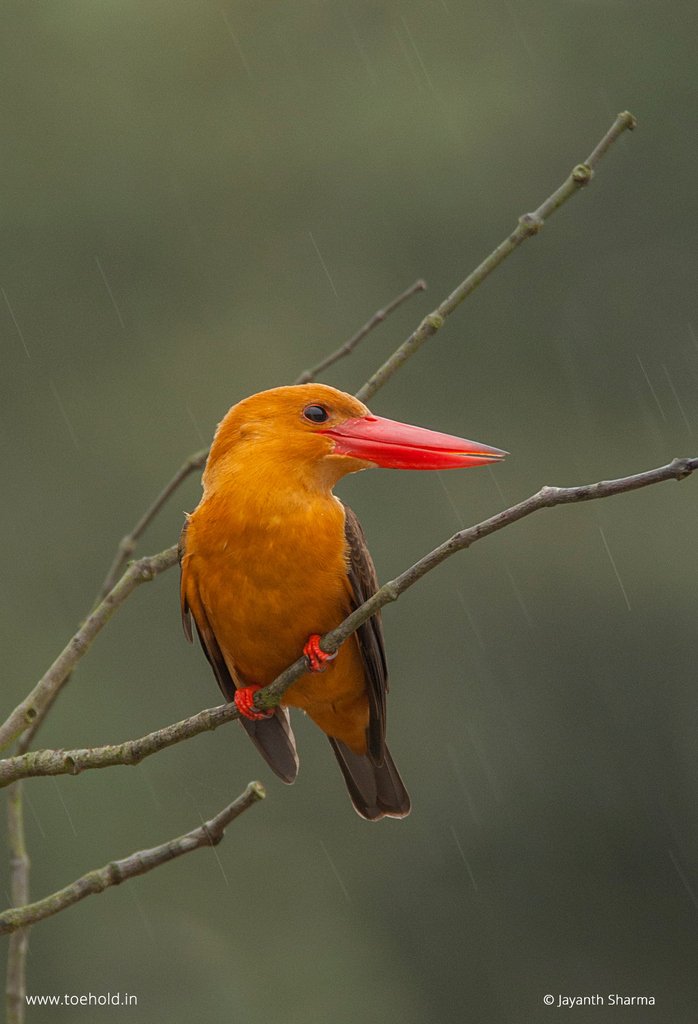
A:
[(375, 791), (274, 739)]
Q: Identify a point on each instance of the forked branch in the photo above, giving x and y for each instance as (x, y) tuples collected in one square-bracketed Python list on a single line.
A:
[(25, 718)]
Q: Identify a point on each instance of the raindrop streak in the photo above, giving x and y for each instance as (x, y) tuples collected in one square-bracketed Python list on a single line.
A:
[(615, 567), (460, 779), (471, 620), (682, 876), (417, 54), (336, 873), (408, 60), (64, 414), (14, 320), (518, 596), (110, 293), (456, 510), (486, 766), (215, 854), (519, 29), (678, 400), (495, 481), (465, 859), (324, 265), (693, 334), (65, 806), (649, 385), (196, 426), (241, 55), (139, 907), (363, 52), (145, 778), (35, 816)]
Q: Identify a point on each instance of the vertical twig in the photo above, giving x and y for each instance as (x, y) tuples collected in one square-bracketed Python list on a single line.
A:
[(19, 891)]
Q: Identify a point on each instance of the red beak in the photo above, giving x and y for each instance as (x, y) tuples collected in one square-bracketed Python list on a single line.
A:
[(396, 445)]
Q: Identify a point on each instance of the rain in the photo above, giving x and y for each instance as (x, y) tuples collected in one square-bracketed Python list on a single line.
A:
[(202, 202)]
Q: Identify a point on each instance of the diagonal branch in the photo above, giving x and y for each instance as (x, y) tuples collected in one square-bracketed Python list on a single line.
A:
[(348, 347), (547, 497), (72, 762), (210, 833), (38, 701), (127, 544), (27, 716), (43, 694), (529, 224)]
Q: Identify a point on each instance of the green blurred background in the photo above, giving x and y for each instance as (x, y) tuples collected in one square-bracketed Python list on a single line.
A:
[(201, 200)]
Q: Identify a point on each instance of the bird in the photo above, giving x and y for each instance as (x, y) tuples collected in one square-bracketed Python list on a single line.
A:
[(271, 559)]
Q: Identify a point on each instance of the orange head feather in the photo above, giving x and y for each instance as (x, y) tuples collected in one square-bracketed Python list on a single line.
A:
[(274, 432)]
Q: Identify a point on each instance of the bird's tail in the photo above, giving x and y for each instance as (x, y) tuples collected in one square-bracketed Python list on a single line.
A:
[(376, 791), (273, 738)]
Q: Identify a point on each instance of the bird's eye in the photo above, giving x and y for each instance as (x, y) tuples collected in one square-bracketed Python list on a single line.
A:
[(316, 413)]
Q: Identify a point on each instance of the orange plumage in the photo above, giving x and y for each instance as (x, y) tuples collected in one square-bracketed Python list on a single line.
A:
[(271, 556)]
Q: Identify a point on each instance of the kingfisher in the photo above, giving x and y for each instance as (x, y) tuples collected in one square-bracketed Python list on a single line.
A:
[(271, 559)]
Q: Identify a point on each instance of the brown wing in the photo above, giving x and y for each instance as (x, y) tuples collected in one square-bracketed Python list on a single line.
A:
[(364, 583), (273, 737)]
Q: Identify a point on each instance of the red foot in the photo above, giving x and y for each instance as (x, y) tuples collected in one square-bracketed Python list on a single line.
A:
[(317, 658), (244, 702)]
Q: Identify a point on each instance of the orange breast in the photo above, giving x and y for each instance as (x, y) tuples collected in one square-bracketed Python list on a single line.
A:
[(267, 578)]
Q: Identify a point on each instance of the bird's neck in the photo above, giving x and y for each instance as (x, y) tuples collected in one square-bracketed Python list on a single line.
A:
[(265, 491)]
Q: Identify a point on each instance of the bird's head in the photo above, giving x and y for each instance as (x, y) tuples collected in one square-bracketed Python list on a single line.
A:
[(318, 434)]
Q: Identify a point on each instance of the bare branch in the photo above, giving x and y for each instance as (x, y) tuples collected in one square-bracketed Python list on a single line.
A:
[(210, 833), (27, 716), (72, 762), (127, 545), (15, 988), (20, 868), (348, 347), (547, 497), (35, 703), (529, 224)]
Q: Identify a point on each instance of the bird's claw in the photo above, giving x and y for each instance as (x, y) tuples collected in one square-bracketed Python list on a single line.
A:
[(317, 658), (244, 702)]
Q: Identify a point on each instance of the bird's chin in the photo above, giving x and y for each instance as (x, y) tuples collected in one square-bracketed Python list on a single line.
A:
[(341, 465)]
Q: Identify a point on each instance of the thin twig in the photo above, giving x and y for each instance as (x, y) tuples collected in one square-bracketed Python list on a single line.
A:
[(20, 869), (15, 988), (529, 224), (34, 704), (348, 347), (72, 762), (27, 717), (127, 545), (118, 871)]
